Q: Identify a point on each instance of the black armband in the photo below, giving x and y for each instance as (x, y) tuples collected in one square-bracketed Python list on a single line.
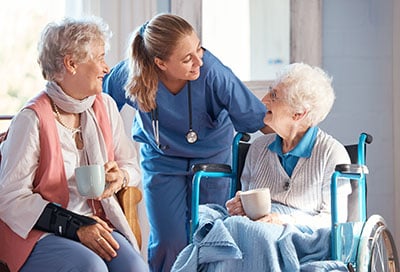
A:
[(62, 222)]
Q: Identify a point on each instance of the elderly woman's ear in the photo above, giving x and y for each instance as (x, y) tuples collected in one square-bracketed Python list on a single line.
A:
[(69, 64), (299, 115)]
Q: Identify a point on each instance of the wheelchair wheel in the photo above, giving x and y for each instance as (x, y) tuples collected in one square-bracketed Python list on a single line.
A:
[(376, 250)]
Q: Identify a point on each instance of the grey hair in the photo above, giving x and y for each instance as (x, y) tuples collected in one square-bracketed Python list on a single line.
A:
[(70, 37), (308, 89)]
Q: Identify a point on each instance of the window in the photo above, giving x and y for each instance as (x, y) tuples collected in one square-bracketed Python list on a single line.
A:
[(21, 23), (252, 36)]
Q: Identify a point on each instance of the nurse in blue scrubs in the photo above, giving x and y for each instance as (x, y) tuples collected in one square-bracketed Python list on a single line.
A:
[(188, 106)]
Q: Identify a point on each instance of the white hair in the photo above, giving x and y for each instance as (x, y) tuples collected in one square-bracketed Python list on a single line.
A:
[(308, 89), (70, 36)]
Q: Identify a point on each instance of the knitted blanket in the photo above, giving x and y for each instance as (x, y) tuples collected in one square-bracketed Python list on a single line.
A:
[(235, 243)]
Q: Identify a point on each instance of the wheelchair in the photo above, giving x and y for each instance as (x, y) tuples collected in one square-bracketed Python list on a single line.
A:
[(362, 244)]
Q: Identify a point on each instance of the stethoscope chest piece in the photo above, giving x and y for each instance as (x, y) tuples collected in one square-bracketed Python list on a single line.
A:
[(191, 136)]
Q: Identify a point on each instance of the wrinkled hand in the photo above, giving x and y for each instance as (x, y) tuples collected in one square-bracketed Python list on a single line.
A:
[(99, 239), (234, 205), (114, 179)]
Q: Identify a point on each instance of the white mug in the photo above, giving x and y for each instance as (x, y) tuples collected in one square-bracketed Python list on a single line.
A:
[(90, 180), (256, 203)]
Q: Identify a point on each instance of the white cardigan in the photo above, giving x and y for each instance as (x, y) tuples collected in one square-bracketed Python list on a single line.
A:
[(310, 181)]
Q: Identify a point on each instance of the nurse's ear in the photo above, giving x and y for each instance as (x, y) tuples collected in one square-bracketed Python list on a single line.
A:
[(160, 64)]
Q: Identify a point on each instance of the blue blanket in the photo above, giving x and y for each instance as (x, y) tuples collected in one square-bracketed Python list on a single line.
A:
[(235, 243)]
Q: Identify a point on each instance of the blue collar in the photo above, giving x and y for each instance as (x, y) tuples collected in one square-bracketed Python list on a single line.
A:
[(303, 148)]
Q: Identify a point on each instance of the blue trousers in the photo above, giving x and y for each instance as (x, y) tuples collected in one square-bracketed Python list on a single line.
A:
[(55, 253), (168, 203)]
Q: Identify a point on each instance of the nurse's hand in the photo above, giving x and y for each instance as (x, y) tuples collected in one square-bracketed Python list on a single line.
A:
[(234, 205)]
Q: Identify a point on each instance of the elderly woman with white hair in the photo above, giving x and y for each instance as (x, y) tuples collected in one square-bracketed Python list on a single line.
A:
[(297, 161), (45, 224)]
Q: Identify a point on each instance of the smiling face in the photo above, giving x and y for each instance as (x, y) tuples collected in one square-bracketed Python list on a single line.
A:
[(87, 77), (185, 61), (280, 116)]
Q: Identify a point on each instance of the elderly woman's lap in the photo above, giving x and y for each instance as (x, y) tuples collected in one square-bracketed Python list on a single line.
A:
[(54, 253)]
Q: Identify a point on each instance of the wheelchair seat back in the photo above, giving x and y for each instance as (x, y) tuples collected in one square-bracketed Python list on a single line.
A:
[(242, 153)]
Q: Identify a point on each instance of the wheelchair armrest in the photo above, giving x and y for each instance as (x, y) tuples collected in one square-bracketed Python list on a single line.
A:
[(212, 167), (245, 137), (352, 168)]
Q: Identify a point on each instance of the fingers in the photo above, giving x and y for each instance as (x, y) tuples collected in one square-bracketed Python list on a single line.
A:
[(113, 173), (99, 239), (102, 248), (110, 166), (103, 224), (110, 190), (114, 179), (234, 205), (106, 246)]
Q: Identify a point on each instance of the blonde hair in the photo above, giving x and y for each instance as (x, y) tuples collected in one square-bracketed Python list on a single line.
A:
[(156, 38)]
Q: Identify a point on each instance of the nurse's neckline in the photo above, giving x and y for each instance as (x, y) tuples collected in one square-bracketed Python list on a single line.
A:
[(174, 87)]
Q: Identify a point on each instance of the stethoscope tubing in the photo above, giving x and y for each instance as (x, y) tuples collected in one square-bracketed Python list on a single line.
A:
[(191, 135)]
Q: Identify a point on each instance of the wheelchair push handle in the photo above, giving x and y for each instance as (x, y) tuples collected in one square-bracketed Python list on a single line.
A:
[(364, 139)]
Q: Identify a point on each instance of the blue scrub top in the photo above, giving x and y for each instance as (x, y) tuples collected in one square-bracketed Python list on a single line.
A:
[(221, 103)]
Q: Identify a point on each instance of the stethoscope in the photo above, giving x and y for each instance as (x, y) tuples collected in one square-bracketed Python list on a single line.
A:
[(191, 136)]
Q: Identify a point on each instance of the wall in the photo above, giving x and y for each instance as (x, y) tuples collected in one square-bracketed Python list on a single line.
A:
[(358, 54)]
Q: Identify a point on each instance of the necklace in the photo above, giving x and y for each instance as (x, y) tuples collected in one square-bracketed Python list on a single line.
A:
[(60, 119)]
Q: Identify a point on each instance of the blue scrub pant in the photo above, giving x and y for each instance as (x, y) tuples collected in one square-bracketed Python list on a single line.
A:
[(168, 202), (55, 253)]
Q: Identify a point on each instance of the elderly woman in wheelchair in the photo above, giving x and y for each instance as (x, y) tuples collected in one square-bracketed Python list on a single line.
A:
[(297, 164)]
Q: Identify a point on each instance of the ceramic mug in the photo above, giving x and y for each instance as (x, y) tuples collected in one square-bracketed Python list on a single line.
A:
[(256, 203), (90, 180)]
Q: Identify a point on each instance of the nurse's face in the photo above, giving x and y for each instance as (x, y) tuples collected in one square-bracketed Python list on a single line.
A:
[(185, 61)]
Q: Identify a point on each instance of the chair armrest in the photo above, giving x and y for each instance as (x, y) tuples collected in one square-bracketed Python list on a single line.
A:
[(129, 198)]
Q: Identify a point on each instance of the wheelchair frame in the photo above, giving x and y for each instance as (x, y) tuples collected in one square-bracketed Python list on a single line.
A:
[(363, 245)]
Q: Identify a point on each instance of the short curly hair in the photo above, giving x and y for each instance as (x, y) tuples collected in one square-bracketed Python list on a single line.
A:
[(307, 88), (70, 37)]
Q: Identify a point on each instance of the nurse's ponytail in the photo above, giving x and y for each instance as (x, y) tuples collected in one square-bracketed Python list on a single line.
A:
[(155, 38)]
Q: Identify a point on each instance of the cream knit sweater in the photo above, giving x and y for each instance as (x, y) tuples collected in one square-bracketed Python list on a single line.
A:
[(309, 190)]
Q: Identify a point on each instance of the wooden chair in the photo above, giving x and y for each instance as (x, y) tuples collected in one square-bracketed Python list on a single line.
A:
[(128, 198)]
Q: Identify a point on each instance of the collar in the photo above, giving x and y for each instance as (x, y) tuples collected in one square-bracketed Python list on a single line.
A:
[(302, 149)]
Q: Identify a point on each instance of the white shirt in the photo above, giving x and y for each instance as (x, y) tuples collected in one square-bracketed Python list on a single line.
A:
[(20, 207)]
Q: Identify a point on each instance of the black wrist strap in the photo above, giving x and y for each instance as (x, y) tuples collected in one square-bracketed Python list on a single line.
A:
[(62, 222)]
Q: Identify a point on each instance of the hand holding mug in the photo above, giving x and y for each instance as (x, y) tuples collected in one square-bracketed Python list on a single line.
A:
[(234, 205), (116, 178), (90, 180), (256, 203)]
